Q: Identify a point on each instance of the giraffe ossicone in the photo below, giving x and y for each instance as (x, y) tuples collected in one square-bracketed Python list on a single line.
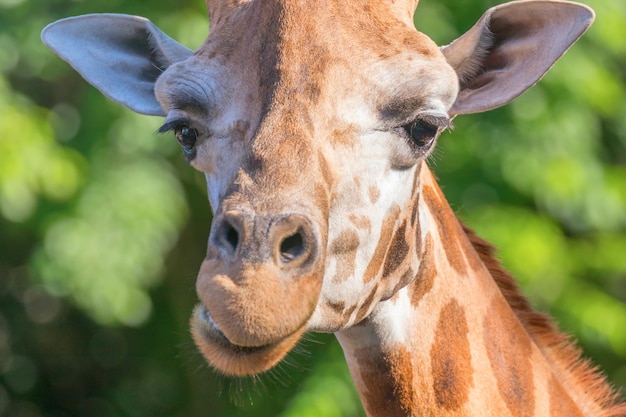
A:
[(311, 122)]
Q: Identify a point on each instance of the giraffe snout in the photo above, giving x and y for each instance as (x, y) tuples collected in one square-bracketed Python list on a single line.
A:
[(288, 241), (258, 287)]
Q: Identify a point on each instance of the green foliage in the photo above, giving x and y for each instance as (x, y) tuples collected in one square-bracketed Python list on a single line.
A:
[(137, 209), (31, 169), (328, 391), (103, 227)]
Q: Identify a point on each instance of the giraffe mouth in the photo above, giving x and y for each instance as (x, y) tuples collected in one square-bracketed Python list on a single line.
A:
[(233, 359), (210, 330)]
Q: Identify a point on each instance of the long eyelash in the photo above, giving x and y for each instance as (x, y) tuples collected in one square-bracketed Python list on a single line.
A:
[(173, 125), (439, 121)]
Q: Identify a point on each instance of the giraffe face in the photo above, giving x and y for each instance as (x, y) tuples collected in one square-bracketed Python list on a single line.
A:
[(311, 155), (311, 121)]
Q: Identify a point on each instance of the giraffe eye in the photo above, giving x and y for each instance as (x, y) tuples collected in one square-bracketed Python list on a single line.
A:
[(187, 137), (421, 133)]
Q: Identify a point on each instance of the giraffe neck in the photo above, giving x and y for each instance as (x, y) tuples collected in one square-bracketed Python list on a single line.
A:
[(449, 343)]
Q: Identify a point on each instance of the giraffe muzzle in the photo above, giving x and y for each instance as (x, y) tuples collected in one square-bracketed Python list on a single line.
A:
[(258, 287), (233, 359)]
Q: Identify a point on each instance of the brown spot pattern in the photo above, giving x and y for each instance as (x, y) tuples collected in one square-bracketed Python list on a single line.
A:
[(374, 193), (344, 135), (404, 280), (509, 350), (588, 382), (414, 212), (344, 249), (388, 379), (386, 233), (561, 404), (425, 278), (366, 304), (397, 252), (348, 311), (451, 358), (418, 234), (337, 307), (361, 222), (327, 173), (449, 228)]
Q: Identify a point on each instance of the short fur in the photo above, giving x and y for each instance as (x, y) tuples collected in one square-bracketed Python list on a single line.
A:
[(572, 370)]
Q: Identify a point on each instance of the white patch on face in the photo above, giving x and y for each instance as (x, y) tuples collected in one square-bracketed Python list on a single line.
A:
[(380, 160), (394, 187), (427, 226)]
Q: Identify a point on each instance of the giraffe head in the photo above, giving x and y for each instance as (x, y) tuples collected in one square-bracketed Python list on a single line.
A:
[(311, 122)]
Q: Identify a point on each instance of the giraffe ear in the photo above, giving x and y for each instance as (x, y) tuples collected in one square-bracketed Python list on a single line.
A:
[(120, 55), (510, 48)]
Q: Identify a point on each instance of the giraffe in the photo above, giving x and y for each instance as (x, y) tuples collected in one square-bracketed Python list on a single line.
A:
[(312, 122)]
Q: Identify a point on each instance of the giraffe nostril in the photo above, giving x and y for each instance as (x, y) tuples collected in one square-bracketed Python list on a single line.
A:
[(289, 239), (230, 232), (291, 248), (293, 242), (231, 237)]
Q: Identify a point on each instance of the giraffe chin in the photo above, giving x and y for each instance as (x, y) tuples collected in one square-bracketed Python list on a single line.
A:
[(232, 359)]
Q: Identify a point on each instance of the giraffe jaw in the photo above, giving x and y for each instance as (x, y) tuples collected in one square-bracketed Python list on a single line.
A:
[(232, 359)]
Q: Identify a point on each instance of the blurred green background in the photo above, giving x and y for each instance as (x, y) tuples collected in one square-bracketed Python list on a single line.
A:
[(103, 226)]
